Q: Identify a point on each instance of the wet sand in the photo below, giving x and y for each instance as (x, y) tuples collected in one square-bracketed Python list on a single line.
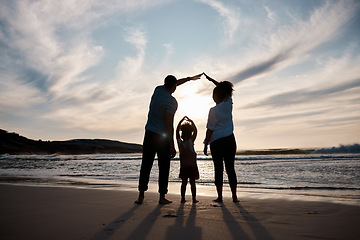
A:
[(35, 212)]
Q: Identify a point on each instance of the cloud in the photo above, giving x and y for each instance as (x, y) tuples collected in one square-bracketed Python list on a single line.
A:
[(15, 96), (130, 66), (336, 79), (231, 16), (278, 118), (53, 38), (33, 31), (50, 44), (292, 42), (271, 14), (260, 67), (47, 48), (169, 48), (98, 107), (304, 96)]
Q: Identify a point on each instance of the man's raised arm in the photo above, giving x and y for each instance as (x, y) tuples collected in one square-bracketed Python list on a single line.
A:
[(184, 80)]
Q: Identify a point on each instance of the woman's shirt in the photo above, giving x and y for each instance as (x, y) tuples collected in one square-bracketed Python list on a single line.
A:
[(220, 120)]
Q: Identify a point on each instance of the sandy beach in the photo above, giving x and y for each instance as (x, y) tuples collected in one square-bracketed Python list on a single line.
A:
[(39, 212)]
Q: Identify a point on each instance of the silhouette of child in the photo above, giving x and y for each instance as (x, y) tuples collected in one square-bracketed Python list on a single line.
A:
[(188, 166)]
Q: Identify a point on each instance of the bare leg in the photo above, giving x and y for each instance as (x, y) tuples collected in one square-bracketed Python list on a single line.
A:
[(234, 195), (219, 192), (193, 190), (140, 198), (183, 189), (163, 200)]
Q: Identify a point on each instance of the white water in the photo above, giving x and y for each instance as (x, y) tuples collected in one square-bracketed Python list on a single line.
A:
[(335, 176)]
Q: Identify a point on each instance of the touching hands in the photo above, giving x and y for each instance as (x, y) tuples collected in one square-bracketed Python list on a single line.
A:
[(196, 77), (186, 118)]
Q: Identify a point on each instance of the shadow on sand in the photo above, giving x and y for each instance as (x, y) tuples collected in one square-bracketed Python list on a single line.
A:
[(235, 229), (257, 229), (140, 232), (182, 230), (233, 225), (185, 227), (109, 229), (143, 229)]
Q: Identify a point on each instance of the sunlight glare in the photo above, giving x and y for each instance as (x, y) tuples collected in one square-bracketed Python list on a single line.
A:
[(194, 105)]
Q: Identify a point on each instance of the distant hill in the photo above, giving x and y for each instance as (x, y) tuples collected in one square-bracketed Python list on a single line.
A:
[(13, 143)]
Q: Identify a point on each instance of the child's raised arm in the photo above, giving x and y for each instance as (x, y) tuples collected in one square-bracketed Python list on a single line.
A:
[(194, 135), (178, 128)]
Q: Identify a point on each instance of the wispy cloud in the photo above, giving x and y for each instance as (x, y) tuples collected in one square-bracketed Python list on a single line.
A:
[(49, 46), (338, 78), (130, 66), (230, 14), (53, 38), (31, 29), (318, 104), (108, 107), (292, 42), (169, 48), (271, 14), (304, 96), (15, 96), (263, 121)]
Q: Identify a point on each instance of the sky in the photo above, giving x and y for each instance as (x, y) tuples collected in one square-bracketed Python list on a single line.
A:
[(87, 69)]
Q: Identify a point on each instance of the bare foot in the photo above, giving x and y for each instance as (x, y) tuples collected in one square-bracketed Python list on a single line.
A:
[(195, 201), (218, 200), (140, 198), (164, 201), (183, 200), (139, 201), (235, 199)]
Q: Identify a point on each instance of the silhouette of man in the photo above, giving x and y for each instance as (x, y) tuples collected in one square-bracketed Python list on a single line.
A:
[(159, 136)]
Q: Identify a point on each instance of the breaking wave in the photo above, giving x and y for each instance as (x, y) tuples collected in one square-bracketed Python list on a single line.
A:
[(354, 148)]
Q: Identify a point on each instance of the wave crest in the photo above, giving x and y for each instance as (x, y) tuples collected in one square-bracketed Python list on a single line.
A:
[(354, 148)]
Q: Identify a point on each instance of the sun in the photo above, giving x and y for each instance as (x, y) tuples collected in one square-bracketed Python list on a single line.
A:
[(194, 105)]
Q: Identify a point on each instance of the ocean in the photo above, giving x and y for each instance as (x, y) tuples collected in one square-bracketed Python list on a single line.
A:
[(329, 177)]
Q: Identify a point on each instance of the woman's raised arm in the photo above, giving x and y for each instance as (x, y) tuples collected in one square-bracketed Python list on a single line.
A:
[(211, 80)]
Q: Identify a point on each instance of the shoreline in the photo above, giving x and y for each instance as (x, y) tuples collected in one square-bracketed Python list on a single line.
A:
[(34, 212), (207, 190)]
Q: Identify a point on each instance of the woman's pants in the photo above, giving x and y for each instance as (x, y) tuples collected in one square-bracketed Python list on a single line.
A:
[(223, 150), (155, 144)]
